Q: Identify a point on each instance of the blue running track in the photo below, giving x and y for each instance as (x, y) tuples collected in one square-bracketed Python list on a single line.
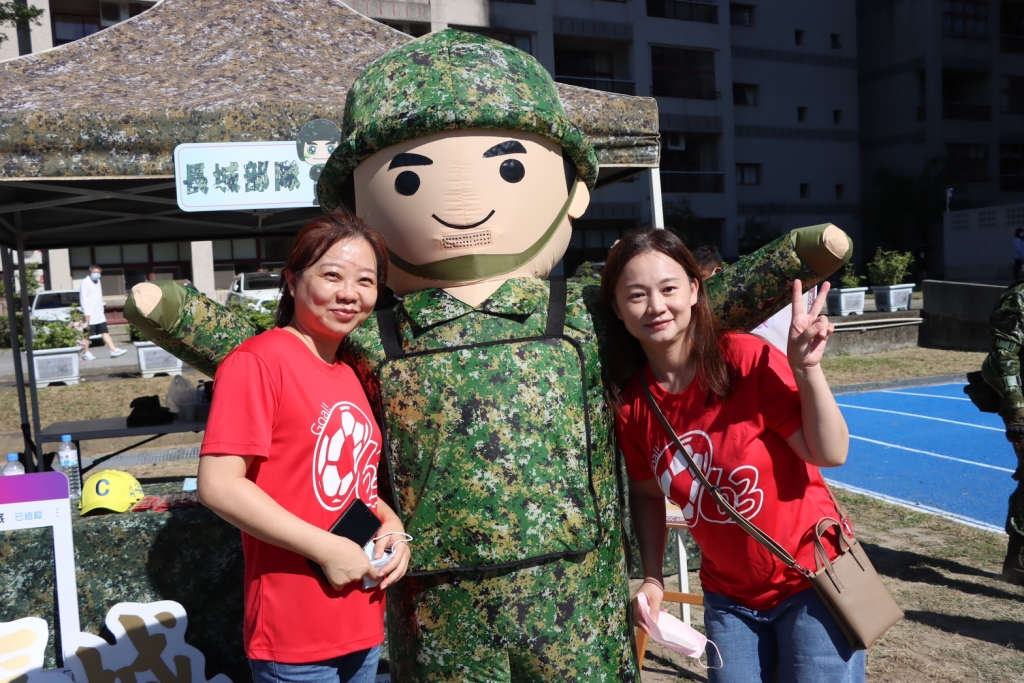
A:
[(930, 448)]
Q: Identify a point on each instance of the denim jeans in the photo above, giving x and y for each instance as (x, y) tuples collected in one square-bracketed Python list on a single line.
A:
[(796, 641), (357, 667)]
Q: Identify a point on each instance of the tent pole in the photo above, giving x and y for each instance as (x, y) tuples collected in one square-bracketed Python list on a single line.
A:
[(657, 211), (12, 320), (27, 317)]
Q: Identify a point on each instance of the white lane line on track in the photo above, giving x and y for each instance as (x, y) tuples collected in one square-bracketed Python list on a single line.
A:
[(934, 455), (919, 507), (923, 417), (914, 393)]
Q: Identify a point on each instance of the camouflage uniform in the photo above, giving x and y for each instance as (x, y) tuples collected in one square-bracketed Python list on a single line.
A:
[(562, 619), (1001, 371)]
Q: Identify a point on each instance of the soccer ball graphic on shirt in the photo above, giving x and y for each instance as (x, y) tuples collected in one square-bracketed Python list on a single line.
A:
[(343, 465), (739, 488)]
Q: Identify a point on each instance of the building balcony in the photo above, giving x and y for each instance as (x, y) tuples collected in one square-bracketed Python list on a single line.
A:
[(962, 111), (702, 12), (693, 182), (1011, 43), (614, 85)]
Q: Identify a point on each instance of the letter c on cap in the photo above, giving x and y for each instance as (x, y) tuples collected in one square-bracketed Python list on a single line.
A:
[(105, 491)]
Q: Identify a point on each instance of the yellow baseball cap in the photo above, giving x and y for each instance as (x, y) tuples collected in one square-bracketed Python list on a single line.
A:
[(112, 490)]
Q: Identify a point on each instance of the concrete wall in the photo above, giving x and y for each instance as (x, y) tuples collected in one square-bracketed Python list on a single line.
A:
[(956, 314), (850, 338), (979, 242)]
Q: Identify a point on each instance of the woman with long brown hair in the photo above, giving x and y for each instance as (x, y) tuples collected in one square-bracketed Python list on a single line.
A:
[(759, 426), (291, 445)]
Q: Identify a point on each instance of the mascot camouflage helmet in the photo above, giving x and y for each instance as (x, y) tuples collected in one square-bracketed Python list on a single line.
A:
[(449, 80)]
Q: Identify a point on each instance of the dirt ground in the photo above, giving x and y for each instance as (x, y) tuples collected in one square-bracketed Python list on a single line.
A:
[(962, 622)]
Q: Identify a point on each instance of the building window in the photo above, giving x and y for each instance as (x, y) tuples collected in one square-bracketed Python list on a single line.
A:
[(703, 12), (805, 190), (741, 15), (1012, 97), (70, 27), (744, 94), (1011, 168), (967, 161), (965, 18), (837, 116), (684, 73), (798, 36), (840, 188), (801, 114), (836, 43), (748, 174)]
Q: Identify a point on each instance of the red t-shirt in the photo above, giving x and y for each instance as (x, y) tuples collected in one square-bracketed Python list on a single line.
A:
[(740, 446), (316, 447)]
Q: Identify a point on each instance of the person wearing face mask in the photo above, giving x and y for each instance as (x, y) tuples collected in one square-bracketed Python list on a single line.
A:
[(90, 298), (759, 428)]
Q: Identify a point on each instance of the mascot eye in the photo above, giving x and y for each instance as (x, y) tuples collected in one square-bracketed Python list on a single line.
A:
[(512, 170), (407, 183)]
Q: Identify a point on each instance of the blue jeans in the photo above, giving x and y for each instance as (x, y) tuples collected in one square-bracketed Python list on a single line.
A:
[(798, 641), (357, 667)]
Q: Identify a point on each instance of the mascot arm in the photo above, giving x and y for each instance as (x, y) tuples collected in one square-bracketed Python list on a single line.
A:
[(760, 285), (185, 323)]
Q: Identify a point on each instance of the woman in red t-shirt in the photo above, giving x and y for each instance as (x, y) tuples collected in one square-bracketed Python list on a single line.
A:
[(290, 445), (759, 426)]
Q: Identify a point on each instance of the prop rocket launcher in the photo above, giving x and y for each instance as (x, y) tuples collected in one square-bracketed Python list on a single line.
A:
[(759, 285), (201, 332), (185, 323)]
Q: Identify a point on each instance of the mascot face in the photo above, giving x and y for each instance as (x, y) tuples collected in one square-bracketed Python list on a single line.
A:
[(467, 208)]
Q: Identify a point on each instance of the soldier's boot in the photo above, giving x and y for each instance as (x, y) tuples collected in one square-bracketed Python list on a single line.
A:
[(1013, 565)]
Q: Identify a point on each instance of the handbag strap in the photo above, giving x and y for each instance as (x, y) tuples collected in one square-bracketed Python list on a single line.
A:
[(761, 537)]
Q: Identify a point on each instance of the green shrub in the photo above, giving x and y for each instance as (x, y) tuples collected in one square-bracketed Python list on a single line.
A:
[(889, 267), (261, 316), (849, 279)]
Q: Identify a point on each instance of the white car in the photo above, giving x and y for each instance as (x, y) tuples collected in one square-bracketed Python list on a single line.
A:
[(54, 304), (255, 288)]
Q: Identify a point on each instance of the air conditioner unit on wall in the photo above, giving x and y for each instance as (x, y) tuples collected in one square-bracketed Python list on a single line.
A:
[(675, 141), (112, 13)]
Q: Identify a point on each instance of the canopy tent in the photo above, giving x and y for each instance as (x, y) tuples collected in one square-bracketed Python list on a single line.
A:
[(87, 130)]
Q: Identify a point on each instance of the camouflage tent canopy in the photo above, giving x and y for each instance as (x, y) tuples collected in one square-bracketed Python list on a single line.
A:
[(96, 121)]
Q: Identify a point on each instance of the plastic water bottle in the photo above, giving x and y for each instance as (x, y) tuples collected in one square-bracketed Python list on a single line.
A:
[(13, 465), (67, 456)]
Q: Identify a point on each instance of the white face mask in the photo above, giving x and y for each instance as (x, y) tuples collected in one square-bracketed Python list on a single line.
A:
[(674, 634), (95, 277)]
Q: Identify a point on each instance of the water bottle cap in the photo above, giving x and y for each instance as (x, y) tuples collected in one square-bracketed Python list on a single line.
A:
[(11, 457), (65, 437)]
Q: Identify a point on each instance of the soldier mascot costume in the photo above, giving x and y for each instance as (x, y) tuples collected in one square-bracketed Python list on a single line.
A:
[(498, 445)]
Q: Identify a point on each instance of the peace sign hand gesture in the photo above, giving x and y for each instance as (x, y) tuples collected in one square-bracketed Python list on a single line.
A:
[(809, 331)]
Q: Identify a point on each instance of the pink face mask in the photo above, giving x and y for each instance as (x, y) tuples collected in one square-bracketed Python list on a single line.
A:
[(674, 634)]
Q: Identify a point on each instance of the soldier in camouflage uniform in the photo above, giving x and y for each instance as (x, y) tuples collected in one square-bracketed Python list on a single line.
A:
[(1001, 371)]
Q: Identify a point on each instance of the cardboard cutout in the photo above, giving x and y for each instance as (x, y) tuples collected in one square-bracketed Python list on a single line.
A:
[(497, 436)]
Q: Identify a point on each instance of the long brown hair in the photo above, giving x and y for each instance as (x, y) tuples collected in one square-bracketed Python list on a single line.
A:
[(704, 330), (313, 241)]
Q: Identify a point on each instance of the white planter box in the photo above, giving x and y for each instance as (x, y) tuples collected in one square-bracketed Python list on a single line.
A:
[(847, 301), (155, 361), (893, 297), (56, 365)]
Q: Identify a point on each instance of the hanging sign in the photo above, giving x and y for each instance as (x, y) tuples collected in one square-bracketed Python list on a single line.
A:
[(233, 176)]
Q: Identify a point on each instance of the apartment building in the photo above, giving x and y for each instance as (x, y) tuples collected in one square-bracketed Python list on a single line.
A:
[(758, 103), (944, 80)]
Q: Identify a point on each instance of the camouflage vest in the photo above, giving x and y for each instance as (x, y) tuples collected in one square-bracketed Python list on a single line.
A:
[(502, 501)]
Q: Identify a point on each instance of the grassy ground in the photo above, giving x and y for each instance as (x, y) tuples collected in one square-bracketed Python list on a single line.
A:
[(844, 370)]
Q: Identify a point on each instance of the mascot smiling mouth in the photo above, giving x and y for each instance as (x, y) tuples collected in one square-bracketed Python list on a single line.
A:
[(462, 227)]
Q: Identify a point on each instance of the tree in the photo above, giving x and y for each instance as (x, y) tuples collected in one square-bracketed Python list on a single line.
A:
[(759, 228), (900, 207), (19, 16), (31, 280)]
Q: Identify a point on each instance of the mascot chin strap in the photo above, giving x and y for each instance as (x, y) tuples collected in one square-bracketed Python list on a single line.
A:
[(475, 267)]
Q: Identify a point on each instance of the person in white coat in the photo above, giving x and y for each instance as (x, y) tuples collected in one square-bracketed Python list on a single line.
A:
[(91, 300)]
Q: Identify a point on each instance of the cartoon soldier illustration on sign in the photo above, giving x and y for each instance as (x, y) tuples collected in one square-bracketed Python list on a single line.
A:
[(497, 438), (314, 144)]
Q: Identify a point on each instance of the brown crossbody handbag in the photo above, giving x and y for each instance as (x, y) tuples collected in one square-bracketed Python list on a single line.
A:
[(848, 585)]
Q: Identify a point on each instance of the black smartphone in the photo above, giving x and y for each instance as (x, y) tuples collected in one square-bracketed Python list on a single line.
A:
[(358, 524)]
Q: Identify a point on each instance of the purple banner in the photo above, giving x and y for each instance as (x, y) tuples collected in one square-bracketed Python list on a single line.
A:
[(27, 488)]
